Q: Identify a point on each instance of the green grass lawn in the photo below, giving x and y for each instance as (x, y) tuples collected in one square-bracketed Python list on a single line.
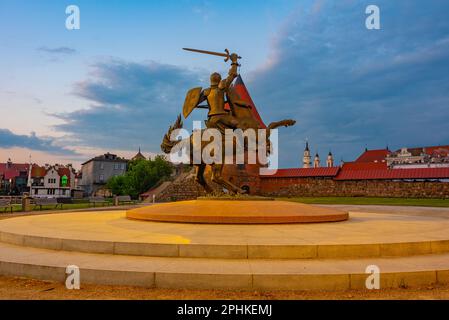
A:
[(372, 201), (70, 206)]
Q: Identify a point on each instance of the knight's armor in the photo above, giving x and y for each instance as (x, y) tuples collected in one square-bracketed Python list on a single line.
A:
[(215, 95)]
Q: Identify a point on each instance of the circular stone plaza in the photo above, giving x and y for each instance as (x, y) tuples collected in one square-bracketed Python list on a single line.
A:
[(260, 245)]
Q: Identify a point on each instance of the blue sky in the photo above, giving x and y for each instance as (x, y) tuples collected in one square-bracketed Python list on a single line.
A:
[(118, 82)]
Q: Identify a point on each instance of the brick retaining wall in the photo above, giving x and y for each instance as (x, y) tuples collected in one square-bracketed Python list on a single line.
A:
[(322, 187), (309, 187)]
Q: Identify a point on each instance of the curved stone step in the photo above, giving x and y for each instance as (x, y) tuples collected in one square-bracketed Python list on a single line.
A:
[(364, 235), (201, 273), (231, 251)]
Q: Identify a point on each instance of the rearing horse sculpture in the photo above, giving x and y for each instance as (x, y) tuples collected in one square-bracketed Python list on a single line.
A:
[(220, 94), (246, 121)]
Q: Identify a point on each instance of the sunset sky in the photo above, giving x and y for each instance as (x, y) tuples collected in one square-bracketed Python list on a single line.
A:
[(118, 83)]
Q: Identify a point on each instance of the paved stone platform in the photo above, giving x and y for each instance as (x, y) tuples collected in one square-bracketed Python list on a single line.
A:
[(111, 249), (236, 212), (364, 235)]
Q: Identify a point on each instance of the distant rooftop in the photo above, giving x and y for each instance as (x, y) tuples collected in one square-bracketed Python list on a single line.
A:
[(393, 174), (304, 172), (378, 155), (109, 157), (139, 156)]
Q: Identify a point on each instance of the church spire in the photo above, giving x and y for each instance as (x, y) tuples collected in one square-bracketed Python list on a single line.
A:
[(306, 159), (316, 161), (139, 156), (330, 160)]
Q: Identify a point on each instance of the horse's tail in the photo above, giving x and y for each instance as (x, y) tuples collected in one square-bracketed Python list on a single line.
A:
[(167, 144)]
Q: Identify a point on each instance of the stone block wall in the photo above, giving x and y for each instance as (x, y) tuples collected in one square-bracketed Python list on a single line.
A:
[(188, 189), (322, 187)]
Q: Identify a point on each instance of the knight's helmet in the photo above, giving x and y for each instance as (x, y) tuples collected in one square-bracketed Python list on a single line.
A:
[(215, 79)]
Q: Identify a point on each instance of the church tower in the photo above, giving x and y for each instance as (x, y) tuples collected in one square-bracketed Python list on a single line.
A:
[(138, 156), (306, 160), (330, 160), (316, 161)]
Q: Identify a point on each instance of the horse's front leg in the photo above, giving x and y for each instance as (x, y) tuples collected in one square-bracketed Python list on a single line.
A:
[(217, 177), (200, 177)]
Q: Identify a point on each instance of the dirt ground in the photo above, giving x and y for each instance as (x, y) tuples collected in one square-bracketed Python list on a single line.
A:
[(28, 289)]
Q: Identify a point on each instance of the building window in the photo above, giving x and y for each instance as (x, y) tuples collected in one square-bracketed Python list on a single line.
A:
[(122, 166), (101, 177), (101, 165), (115, 166)]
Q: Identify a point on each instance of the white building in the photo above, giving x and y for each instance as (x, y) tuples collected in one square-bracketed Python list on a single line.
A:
[(52, 181), (422, 157)]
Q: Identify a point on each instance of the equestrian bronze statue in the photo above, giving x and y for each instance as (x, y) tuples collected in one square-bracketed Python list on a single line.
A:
[(238, 115)]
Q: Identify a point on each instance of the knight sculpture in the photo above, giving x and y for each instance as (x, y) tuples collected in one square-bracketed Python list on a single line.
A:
[(226, 111)]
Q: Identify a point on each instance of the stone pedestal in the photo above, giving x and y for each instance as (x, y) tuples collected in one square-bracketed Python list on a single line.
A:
[(245, 210)]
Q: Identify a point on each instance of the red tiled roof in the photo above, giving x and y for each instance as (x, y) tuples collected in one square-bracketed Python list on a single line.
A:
[(391, 174), (304, 172), (13, 170), (364, 165), (38, 171), (10, 174), (64, 171), (440, 150), (14, 166), (373, 155)]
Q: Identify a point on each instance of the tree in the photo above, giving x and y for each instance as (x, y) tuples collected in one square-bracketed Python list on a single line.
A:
[(117, 185), (141, 176)]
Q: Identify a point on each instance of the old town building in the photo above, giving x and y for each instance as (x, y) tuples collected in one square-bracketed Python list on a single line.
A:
[(13, 177), (422, 157), (56, 181), (97, 171)]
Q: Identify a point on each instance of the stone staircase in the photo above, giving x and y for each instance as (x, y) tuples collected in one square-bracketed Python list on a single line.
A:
[(185, 188), (210, 273), (110, 249)]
